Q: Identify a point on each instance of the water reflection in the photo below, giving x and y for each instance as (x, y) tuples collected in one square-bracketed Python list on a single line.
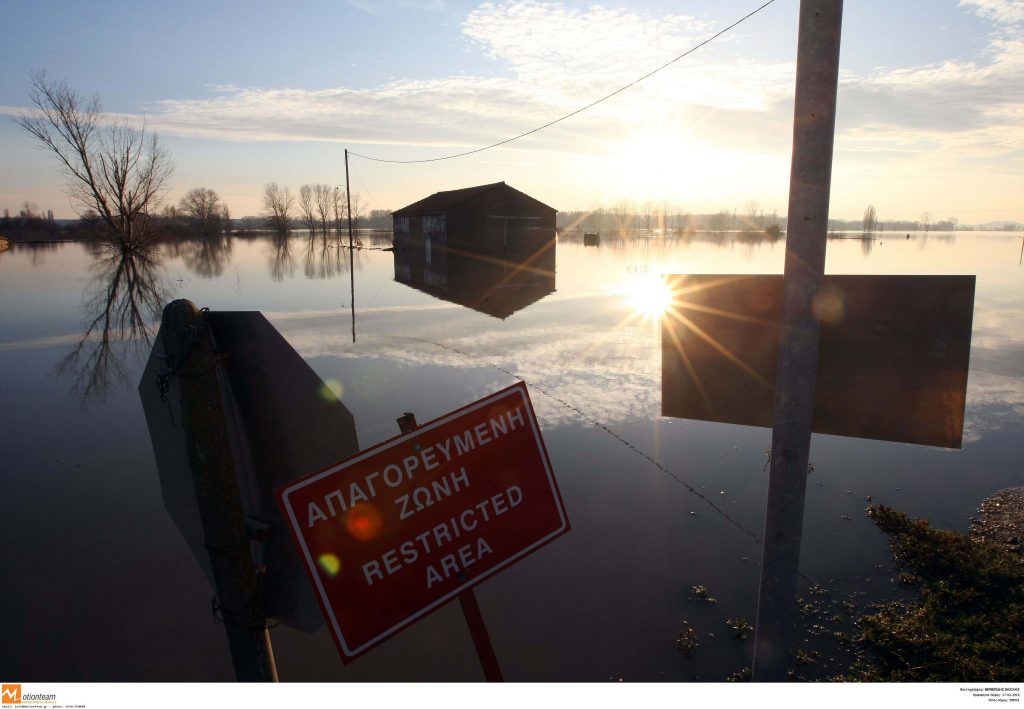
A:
[(324, 257), (37, 250), (207, 255), (621, 595), (486, 283), (280, 257), (124, 298)]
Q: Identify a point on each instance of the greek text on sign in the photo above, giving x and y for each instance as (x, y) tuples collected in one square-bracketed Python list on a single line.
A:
[(398, 530)]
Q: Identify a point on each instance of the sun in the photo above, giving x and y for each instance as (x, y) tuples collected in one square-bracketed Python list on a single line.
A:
[(647, 294)]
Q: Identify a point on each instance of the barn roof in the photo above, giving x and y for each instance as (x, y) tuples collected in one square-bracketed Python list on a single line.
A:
[(441, 201)]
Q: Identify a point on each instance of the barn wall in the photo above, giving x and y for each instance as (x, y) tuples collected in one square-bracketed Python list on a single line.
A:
[(471, 227)]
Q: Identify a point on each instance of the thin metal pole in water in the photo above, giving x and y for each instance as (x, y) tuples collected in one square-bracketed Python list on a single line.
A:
[(467, 599), (817, 72), (351, 252)]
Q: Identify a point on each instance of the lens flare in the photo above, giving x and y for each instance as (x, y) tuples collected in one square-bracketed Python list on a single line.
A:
[(330, 564), (829, 305), (331, 390), (363, 522)]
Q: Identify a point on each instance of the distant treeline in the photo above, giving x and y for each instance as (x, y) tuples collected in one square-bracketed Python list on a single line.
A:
[(628, 217), (201, 213), (31, 224)]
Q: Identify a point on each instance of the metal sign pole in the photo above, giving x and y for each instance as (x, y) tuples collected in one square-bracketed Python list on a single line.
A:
[(481, 640), (188, 342), (817, 72), (467, 599)]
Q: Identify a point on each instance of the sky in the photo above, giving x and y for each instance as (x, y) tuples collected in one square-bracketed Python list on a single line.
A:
[(929, 115)]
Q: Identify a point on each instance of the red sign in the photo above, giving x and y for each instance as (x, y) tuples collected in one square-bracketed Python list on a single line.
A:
[(398, 530)]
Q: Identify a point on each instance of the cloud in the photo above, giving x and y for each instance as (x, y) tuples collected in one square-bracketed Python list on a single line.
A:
[(557, 58), (963, 109), (544, 43), (1000, 11)]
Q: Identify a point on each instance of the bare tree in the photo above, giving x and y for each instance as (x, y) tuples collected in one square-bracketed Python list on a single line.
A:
[(620, 214), (277, 203), (870, 219), (306, 207), (203, 207), (114, 167), (753, 215), (646, 211), (717, 222), (338, 208), (29, 210), (322, 196), (357, 209)]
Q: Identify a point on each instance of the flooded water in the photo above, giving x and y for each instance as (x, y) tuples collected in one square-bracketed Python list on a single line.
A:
[(99, 584)]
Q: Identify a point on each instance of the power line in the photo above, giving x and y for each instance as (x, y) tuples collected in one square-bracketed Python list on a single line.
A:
[(363, 183), (649, 74)]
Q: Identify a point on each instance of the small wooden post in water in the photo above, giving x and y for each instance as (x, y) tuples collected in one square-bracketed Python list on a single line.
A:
[(188, 342), (817, 70), (467, 599)]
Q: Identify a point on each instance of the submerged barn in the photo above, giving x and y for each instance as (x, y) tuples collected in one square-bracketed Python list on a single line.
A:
[(495, 220), (490, 248)]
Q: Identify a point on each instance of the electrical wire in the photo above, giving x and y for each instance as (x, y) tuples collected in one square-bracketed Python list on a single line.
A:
[(649, 74), (363, 183)]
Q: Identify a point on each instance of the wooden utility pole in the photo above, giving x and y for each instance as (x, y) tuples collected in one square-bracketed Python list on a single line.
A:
[(189, 344), (817, 72), (348, 204)]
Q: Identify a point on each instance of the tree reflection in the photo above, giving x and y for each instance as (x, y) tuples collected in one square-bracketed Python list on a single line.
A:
[(124, 299), (207, 255), (281, 265), (37, 251), (323, 258)]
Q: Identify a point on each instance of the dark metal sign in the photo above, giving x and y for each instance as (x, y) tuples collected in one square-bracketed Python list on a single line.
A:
[(892, 359), (282, 421)]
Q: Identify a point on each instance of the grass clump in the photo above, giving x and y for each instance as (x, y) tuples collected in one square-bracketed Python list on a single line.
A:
[(966, 623)]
